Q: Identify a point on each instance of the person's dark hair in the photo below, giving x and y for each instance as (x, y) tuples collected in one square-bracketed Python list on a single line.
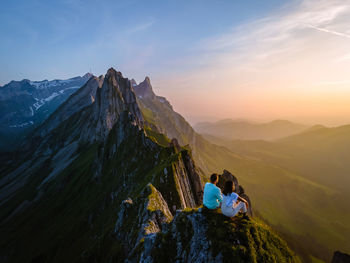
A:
[(228, 188), (213, 178)]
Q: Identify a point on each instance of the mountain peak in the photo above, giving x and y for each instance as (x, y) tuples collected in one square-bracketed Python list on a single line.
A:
[(133, 82), (112, 71), (144, 89), (112, 99), (88, 75), (95, 108), (147, 79)]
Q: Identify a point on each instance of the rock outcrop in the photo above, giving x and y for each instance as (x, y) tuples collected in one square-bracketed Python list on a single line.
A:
[(227, 176), (187, 178), (112, 99), (144, 89), (196, 235), (339, 257)]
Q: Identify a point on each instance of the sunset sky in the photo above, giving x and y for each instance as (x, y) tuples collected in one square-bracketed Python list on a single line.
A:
[(258, 60)]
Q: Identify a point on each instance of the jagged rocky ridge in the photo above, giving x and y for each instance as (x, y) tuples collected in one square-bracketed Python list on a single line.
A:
[(95, 184)]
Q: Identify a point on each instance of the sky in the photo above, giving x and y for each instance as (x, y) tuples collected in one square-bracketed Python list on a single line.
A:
[(252, 59)]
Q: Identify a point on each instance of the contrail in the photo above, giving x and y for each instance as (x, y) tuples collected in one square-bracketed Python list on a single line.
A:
[(329, 31)]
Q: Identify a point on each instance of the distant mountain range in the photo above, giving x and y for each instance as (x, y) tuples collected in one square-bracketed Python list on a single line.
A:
[(247, 130), (25, 104)]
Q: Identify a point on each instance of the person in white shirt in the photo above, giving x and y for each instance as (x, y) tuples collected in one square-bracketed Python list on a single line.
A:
[(232, 203)]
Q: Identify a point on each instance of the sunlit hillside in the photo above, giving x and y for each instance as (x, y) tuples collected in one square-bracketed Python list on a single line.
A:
[(302, 180)]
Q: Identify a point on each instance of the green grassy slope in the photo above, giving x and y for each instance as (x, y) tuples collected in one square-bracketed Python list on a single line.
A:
[(308, 174)]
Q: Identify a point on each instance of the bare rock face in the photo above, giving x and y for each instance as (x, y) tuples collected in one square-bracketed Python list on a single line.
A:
[(187, 178), (339, 257), (114, 97), (227, 176), (175, 144), (144, 89), (150, 214), (194, 178)]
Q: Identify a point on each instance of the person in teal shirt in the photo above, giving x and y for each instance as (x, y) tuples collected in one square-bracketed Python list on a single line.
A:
[(212, 196)]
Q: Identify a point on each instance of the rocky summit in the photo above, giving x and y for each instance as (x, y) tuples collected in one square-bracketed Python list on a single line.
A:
[(97, 182)]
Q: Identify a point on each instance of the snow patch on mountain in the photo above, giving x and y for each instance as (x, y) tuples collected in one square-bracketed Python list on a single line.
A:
[(41, 102), (22, 124), (47, 84)]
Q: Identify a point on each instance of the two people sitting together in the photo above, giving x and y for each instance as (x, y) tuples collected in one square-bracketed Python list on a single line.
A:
[(230, 202)]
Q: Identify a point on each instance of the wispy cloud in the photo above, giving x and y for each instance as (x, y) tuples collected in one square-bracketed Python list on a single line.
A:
[(140, 27), (275, 59)]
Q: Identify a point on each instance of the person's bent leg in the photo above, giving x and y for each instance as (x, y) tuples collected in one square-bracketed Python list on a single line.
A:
[(244, 208), (240, 206)]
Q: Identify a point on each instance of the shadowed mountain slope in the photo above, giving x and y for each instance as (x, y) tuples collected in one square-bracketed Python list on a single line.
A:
[(26, 104)]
